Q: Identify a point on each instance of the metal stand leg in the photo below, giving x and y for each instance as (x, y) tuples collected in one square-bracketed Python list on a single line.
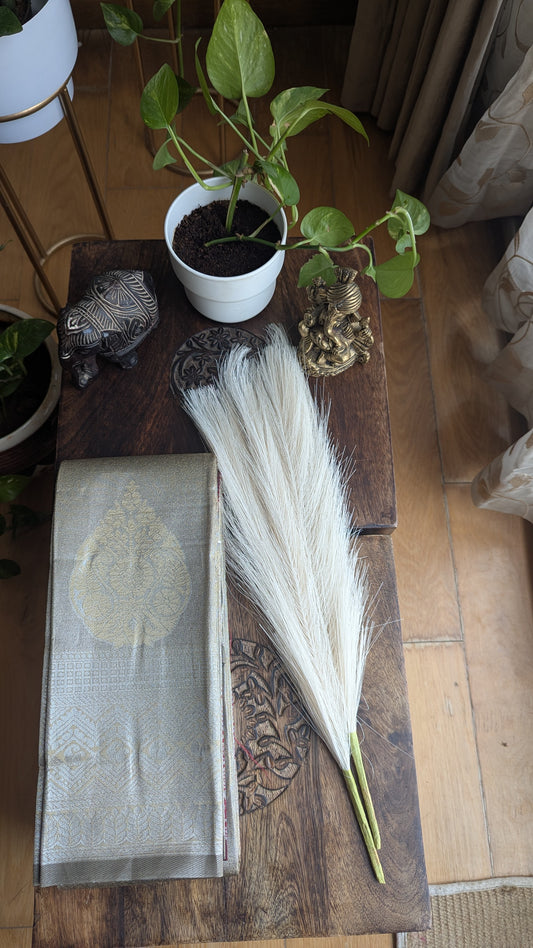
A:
[(77, 138), (27, 236), (149, 136), (22, 225)]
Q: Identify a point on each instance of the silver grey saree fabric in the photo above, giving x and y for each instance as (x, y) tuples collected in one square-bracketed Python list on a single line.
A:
[(136, 771)]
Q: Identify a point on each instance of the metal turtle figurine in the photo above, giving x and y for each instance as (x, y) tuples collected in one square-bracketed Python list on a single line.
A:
[(117, 311)]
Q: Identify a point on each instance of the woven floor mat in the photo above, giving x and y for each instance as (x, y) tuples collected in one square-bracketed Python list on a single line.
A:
[(494, 913)]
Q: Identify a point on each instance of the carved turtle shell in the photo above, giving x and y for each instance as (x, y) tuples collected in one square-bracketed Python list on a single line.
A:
[(118, 309)]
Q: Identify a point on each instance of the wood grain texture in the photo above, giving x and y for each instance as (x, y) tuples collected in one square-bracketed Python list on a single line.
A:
[(498, 634), (425, 571), (88, 420), (356, 941), (451, 802), (15, 937), (474, 420), (304, 869), (22, 618), (200, 13)]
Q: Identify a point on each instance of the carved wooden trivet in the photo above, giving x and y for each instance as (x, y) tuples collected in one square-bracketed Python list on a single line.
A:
[(196, 361), (271, 732)]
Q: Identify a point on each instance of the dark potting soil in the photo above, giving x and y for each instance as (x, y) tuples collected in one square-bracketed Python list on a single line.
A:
[(20, 406), (230, 259)]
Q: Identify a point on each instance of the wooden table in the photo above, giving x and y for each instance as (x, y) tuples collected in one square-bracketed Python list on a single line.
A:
[(304, 869)]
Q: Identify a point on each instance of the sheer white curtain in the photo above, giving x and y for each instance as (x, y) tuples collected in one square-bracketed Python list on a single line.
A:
[(506, 483)]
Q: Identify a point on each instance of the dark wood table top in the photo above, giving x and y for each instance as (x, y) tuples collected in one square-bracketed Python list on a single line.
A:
[(134, 412), (304, 868)]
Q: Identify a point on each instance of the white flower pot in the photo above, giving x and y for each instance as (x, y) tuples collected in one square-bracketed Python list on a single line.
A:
[(226, 299), (33, 65), (45, 409)]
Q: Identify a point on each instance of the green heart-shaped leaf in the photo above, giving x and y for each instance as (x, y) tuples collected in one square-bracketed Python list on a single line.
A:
[(239, 58), (25, 336), (291, 99), (283, 182), (160, 98), (163, 157), (11, 485), (9, 22), (318, 266), (326, 226), (123, 24), (395, 277), (312, 111), (417, 211), (161, 7)]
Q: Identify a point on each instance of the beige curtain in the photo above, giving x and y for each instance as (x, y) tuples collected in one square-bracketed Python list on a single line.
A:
[(416, 65), (493, 177), (453, 81)]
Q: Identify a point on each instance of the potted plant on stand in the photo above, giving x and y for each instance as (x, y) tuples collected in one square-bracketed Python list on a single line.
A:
[(38, 50), (239, 66), (30, 378)]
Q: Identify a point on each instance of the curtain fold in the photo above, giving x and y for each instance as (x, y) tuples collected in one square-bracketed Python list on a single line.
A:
[(493, 175), (453, 82), (416, 66), (506, 482)]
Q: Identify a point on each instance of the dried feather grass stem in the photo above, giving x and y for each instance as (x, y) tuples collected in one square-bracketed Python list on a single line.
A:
[(289, 540)]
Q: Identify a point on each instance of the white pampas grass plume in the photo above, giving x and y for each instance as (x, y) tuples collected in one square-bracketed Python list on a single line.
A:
[(290, 540)]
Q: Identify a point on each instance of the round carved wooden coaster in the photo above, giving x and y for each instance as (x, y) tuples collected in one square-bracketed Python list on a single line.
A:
[(271, 732), (196, 362)]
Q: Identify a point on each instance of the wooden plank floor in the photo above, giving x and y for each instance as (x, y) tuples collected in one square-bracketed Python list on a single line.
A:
[(464, 575)]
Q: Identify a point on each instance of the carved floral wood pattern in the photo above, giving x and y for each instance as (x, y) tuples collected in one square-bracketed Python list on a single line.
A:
[(196, 361), (271, 733)]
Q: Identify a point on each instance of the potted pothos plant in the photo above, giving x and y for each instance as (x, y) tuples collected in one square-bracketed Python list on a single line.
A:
[(16, 518), (30, 379), (38, 50), (239, 67)]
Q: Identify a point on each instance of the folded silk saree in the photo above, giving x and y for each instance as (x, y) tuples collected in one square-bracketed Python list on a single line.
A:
[(137, 775)]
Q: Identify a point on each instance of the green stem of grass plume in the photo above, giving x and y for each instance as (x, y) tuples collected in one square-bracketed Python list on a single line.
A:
[(364, 788), (363, 825)]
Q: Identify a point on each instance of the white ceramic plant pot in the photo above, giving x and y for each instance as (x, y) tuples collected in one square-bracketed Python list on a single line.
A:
[(33, 65), (50, 400), (226, 299)]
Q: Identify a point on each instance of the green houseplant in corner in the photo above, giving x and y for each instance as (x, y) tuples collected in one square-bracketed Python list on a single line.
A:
[(239, 66), (30, 378), (18, 517)]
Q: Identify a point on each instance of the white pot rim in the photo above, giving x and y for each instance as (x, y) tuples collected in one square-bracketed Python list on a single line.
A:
[(51, 398), (35, 64), (209, 277)]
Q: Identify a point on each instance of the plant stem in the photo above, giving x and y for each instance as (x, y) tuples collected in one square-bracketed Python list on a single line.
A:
[(178, 34), (249, 122), (237, 185), (403, 213), (371, 227), (365, 791), (161, 39), (178, 142), (225, 118), (363, 825)]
